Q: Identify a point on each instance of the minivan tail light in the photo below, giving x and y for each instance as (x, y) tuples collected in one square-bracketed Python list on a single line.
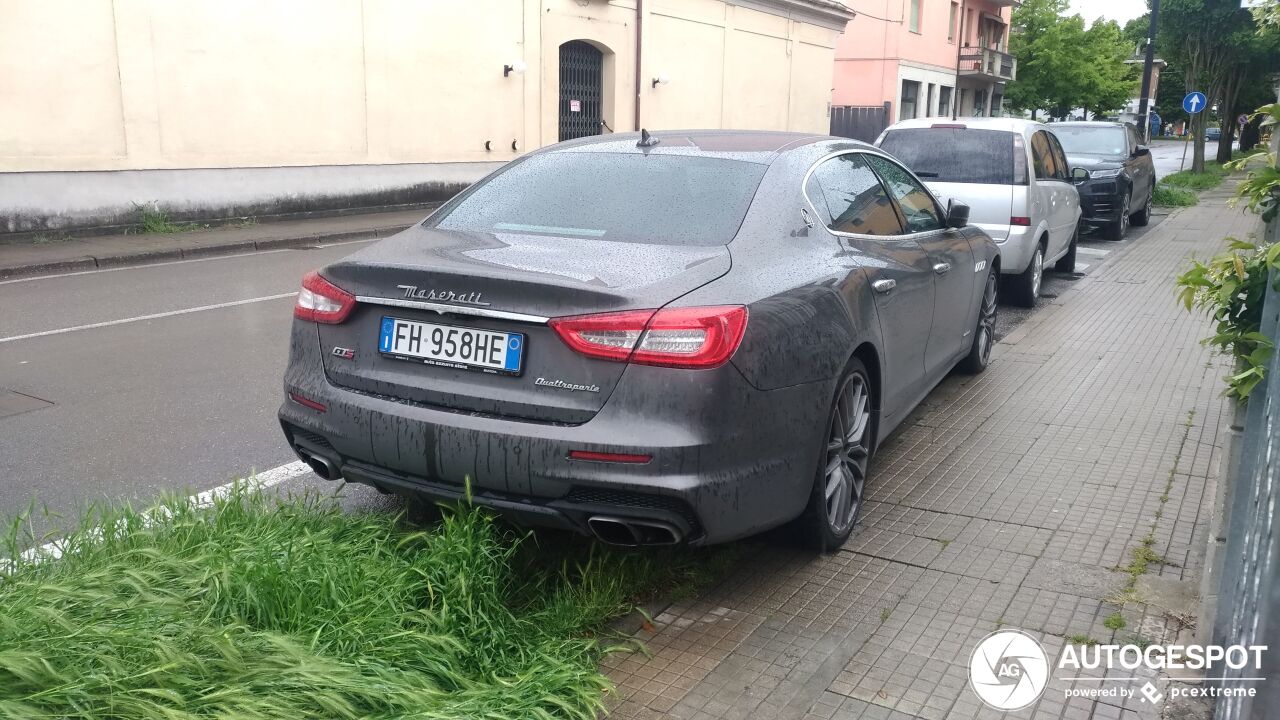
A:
[(692, 337), (321, 301), (1023, 221)]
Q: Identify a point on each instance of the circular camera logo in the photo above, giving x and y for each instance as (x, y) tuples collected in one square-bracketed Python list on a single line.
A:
[(1008, 670)]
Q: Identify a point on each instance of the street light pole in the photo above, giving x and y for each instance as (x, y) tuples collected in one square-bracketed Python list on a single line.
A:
[(1143, 110)]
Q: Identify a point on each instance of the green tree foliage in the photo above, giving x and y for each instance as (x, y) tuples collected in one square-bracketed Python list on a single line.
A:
[(1063, 65), (1111, 81), (1215, 43)]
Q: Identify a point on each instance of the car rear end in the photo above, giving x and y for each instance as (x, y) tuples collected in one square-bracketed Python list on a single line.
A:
[(530, 341), (982, 166)]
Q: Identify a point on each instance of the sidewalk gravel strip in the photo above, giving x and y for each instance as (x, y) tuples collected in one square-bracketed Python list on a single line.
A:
[(1009, 500)]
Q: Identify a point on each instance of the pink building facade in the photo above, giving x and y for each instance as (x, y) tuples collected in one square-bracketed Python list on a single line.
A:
[(925, 58)]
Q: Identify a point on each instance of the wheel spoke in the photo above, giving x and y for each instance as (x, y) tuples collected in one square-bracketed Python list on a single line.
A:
[(833, 463)]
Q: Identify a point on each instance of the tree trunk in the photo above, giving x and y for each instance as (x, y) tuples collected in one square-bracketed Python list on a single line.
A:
[(1197, 149)]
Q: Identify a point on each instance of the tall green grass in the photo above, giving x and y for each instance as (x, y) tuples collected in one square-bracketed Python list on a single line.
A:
[(1185, 179), (258, 607)]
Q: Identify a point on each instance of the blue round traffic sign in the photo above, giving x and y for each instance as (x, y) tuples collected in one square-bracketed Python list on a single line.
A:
[(1194, 102)]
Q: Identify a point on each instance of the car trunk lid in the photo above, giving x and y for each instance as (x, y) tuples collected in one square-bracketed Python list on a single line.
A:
[(507, 283)]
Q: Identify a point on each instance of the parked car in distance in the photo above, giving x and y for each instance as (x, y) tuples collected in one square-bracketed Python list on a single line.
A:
[(1213, 134), (1122, 175), (684, 337), (1014, 177)]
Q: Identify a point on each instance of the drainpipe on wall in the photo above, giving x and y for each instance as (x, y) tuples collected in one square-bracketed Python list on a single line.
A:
[(639, 42), (955, 93)]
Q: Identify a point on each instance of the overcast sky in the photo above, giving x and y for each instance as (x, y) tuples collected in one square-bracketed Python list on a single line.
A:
[(1122, 11)]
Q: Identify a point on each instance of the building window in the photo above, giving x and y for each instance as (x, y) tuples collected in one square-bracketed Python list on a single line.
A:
[(951, 22), (910, 95), (979, 103), (928, 101), (968, 33), (944, 100), (915, 16)]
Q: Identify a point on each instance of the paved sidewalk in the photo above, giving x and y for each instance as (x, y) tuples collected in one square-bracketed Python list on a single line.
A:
[(87, 253), (1010, 499)]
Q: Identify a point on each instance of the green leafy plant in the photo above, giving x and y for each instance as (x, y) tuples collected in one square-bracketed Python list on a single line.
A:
[(1231, 287), (1260, 188), (152, 219)]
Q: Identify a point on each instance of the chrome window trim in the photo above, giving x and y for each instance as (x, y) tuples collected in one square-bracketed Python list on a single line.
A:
[(455, 309), (804, 184)]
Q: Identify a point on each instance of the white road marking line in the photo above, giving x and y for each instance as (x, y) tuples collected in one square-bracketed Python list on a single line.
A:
[(1093, 251), (181, 262), (259, 481), (152, 316)]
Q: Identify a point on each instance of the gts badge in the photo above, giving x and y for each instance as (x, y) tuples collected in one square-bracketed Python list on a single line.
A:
[(344, 353), (980, 266)]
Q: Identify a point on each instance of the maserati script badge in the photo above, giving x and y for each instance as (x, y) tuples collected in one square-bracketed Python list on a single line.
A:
[(448, 296)]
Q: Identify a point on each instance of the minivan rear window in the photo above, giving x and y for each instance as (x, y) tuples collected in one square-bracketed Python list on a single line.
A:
[(956, 155), (619, 197)]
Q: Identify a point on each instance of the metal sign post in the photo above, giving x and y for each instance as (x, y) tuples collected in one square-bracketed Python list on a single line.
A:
[(1193, 103)]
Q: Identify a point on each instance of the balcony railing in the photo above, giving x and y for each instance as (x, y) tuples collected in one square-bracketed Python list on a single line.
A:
[(985, 62)]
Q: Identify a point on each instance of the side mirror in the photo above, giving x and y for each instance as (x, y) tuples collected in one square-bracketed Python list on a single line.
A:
[(1079, 174), (1141, 150), (957, 214)]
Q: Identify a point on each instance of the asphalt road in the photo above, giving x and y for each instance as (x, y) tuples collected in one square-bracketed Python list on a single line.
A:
[(1167, 155), (166, 378)]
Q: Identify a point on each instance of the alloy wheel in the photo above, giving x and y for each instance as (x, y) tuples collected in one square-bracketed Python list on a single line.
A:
[(1037, 265), (987, 320), (1124, 216), (848, 450)]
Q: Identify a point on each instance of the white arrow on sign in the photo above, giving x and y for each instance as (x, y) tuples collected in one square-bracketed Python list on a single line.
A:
[(1194, 100)]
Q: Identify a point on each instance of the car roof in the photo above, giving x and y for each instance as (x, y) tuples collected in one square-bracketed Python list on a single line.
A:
[(760, 146), (1092, 123), (1006, 124)]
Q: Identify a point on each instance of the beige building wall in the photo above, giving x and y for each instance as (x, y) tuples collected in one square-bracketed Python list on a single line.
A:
[(110, 85)]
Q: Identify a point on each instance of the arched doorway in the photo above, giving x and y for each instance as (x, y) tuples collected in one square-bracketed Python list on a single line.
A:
[(581, 89)]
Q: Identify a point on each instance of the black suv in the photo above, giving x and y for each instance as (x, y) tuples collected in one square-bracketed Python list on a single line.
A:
[(1122, 177)]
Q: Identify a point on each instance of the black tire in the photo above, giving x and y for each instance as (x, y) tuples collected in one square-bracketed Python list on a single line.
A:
[(984, 332), (1067, 263), (1118, 228), (1143, 216), (1024, 287), (849, 457)]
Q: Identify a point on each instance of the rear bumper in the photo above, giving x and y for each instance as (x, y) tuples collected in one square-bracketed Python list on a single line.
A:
[(728, 460), (1016, 249)]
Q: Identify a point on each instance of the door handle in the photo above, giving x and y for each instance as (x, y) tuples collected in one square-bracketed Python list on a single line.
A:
[(941, 268), (884, 286)]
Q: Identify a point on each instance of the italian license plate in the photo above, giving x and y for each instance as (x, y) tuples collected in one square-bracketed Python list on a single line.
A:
[(452, 346)]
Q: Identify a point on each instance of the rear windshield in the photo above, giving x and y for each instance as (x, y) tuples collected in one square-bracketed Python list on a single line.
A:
[(957, 155), (1085, 140), (620, 197)]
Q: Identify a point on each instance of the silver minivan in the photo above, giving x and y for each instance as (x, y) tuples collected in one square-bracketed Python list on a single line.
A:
[(1013, 175)]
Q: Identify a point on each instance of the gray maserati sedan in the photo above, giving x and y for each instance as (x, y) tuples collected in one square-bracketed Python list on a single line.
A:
[(679, 337)]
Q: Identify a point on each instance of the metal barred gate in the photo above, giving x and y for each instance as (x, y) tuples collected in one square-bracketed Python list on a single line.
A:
[(859, 123), (1248, 610), (581, 89)]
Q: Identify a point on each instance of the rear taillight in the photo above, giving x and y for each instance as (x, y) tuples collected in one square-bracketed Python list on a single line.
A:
[(693, 337), (1023, 221), (323, 302)]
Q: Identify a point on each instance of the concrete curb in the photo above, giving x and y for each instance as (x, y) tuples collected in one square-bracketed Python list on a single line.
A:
[(154, 255)]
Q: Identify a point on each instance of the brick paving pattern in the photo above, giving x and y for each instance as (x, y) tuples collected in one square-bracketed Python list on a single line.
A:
[(1009, 499)]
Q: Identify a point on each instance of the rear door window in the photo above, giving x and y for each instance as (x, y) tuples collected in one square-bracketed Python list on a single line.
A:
[(851, 199), (620, 197), (1042, 157), (954, 154)]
